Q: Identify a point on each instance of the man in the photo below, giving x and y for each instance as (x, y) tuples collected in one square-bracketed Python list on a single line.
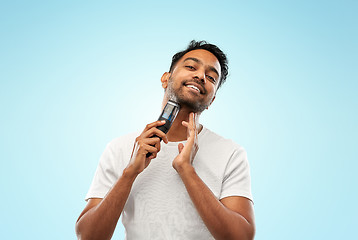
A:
[(194, 185)]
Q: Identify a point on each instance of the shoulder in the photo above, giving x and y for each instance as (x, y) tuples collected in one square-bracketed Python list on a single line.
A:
[(123, 141), (214, 140), (117, 152), (221, 151)]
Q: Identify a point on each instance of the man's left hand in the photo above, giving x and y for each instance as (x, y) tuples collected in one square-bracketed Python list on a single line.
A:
[(187, 153)]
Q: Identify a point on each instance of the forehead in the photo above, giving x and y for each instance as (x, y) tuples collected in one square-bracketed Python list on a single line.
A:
[(206, 57)]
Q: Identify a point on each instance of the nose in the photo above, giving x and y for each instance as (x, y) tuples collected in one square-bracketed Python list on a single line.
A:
[(200, 75)]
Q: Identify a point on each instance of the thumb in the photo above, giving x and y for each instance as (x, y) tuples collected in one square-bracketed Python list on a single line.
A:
[(180, 147)]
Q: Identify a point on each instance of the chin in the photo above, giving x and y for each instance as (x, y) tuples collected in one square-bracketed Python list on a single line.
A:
[(194, 106), (185, 101)]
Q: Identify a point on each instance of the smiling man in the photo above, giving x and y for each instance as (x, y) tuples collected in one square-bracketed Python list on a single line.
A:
[(195, 184)]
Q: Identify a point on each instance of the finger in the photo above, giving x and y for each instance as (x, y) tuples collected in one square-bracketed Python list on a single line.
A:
[(157, 145), (196, 148), (195, 126), (155, 132), (195, 120), (153, 142), (191, 119), (165, 139), (154, 124), (152, 156), (145, 148), (185, 124), (160, 134), (148, 144), (190, 127), (190, 130), (191, 122), (180, 147)]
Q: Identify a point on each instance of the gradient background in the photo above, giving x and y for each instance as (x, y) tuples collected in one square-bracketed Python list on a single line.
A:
[(76, 74)]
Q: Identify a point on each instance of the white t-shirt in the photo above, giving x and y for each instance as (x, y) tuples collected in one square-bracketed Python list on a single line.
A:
[(158, 206)]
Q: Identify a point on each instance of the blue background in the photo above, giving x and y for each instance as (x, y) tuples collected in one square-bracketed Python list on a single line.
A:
[(76, 74)]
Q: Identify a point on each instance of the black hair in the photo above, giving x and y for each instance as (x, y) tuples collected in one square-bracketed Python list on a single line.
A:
[(193, 45)]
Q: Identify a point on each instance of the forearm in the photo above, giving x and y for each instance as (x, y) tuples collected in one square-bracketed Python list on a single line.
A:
[(222, 222), (100, 221)]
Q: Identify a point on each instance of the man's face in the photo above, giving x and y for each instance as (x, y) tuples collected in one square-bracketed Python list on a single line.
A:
[(194, 80)]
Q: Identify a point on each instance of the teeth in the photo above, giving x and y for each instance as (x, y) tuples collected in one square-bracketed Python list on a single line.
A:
[(193, 87)]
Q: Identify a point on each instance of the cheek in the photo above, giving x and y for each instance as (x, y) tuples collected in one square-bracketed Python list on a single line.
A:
[(183, 75), (211, 90), (178, 80)]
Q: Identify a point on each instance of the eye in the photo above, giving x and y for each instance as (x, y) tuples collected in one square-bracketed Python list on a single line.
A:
[(190, 67), (211, 78)]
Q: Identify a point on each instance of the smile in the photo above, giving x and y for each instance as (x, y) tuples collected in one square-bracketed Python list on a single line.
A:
[(193, 87)]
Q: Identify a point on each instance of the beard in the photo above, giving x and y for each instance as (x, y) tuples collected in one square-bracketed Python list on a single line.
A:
[(177, 95)]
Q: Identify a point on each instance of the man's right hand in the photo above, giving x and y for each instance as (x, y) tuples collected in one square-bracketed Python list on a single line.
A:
[(144, 144)]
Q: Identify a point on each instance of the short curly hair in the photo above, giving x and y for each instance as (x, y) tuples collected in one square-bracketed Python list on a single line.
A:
[(220, 55)]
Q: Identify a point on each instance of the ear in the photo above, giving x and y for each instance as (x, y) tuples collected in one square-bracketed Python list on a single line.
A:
[(165, 79), (212, 100)]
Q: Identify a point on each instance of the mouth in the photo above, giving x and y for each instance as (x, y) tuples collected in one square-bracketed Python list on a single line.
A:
[(195, 87)]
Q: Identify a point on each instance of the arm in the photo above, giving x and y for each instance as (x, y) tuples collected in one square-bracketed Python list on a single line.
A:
[(99, 218), (229, 218)]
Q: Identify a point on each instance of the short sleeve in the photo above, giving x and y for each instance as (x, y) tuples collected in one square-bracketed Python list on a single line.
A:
[(237, 180), (109, 169)]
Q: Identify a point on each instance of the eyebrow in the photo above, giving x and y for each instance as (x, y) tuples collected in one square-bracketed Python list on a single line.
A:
[(200, 62)]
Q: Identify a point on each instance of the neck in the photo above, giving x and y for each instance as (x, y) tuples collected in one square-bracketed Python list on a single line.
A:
[(177, 131)]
